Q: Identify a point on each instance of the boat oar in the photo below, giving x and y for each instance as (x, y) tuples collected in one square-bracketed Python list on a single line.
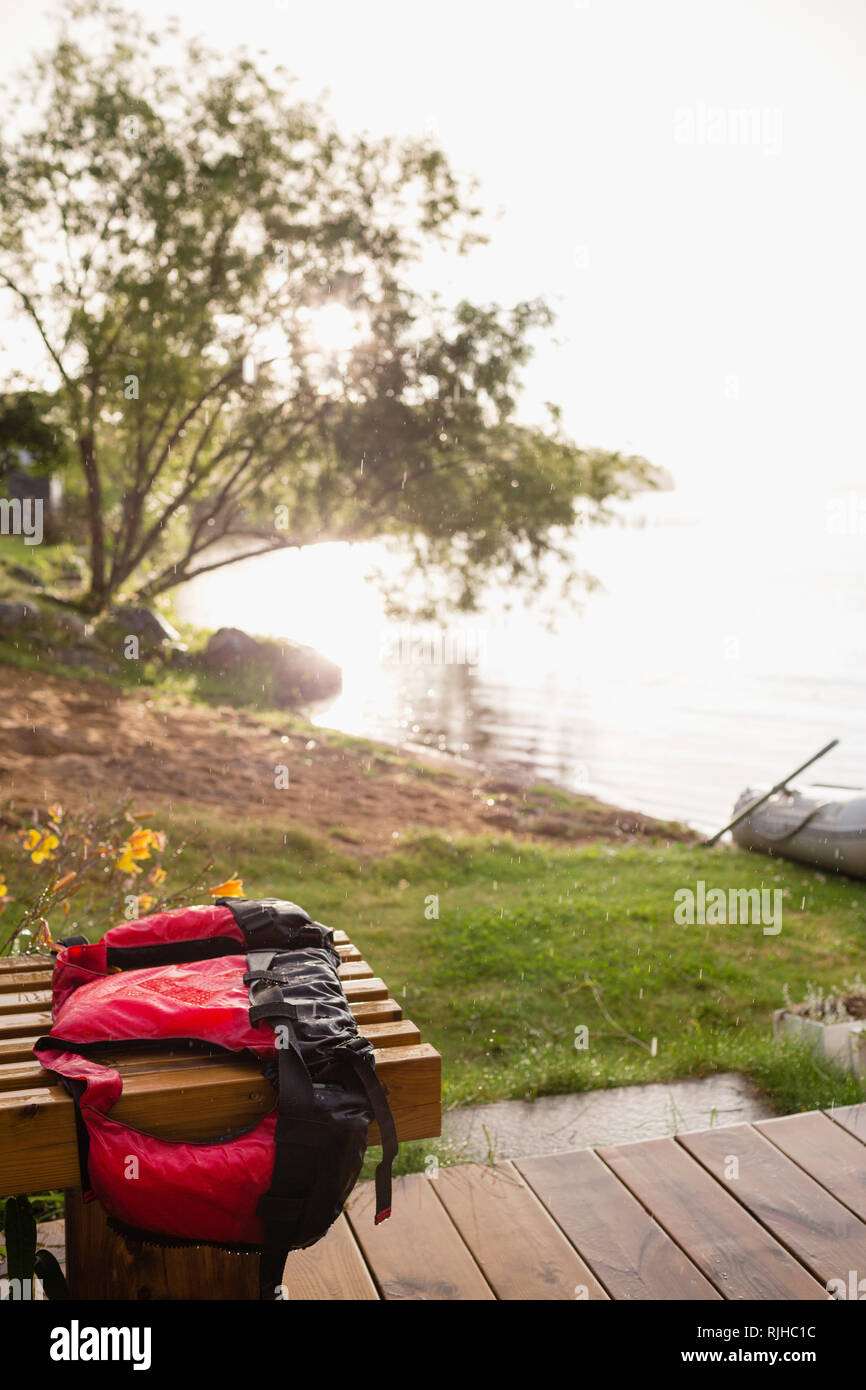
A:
[(759, 801)]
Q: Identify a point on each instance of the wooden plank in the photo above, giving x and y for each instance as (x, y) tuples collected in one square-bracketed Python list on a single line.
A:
[(827, 1152), (354, 970), (25, 1001), (363, 991), (45, 964), (37, 1126), (13, 981), (627, 1250), (17, 1053), (397, 1033), (35, 1023), (518, 1247), (850, 1117), (822, 1233), (375, 1010), (728, 1245), (332, 1270), (356, 990), (418, 1254)]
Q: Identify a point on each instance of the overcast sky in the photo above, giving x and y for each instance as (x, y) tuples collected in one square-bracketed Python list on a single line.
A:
[(683, 179)]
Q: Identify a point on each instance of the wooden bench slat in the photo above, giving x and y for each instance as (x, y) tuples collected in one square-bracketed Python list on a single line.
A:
[(364, 1010), (45, 961), (623, 1245), (727, 1244), (821, 1232), (365, 987), (518, 1246), (17, 1053), (41, 963), (13, 981), (24, 1025), (419, 1254), (37, 1127), (24, 1001)]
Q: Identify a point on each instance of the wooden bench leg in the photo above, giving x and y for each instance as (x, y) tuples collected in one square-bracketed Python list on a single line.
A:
[(101, 1264)]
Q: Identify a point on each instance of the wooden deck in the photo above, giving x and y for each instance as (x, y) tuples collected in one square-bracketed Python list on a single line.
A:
[(773, 1210)]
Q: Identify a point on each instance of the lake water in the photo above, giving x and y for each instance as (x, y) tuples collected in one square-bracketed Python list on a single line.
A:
[(727, 645)]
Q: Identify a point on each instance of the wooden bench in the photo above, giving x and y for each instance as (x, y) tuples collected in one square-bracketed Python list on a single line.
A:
[(176, 1094)]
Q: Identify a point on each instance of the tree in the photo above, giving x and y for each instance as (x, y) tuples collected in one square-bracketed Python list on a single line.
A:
[(219, 283), (26, 432)]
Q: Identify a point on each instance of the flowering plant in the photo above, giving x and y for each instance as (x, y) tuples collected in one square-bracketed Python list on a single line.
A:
[(85, 869)]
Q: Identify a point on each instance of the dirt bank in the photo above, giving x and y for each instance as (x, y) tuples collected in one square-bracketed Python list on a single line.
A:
[(67, 740)]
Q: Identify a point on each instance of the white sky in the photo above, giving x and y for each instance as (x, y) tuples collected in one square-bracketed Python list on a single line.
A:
[(711, 295)]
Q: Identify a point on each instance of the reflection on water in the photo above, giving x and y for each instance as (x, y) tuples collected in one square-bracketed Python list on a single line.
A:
[(724, 650)]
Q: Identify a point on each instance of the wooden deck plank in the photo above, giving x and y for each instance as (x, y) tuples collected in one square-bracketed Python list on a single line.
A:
[(418, 1254), (519, 1248), (822, 1233), (728, 1245), (37, 1127), (627, 1250), (827, 1152), (332, 1270), (850, 1117)]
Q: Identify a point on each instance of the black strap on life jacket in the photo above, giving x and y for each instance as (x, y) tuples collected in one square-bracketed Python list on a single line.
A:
[(305, 1180), (366, 1074)]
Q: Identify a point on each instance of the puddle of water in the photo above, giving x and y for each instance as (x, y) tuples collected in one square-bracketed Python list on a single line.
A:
[(623, 1115)]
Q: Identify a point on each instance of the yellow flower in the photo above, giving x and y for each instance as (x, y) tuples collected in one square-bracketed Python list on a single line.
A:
[(157, 877), (146, 901), (56, 811), (31, 838), (4, 892), (139, 842), (45, 848), (232, 888), (126, 863)]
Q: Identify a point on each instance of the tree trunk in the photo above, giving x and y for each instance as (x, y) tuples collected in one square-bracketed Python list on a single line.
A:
[(97, 596)]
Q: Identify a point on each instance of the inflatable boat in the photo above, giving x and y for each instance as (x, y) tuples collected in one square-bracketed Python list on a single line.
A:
[(811, 830)]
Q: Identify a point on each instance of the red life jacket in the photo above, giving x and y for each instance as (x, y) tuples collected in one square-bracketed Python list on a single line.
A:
[(254, 978)]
